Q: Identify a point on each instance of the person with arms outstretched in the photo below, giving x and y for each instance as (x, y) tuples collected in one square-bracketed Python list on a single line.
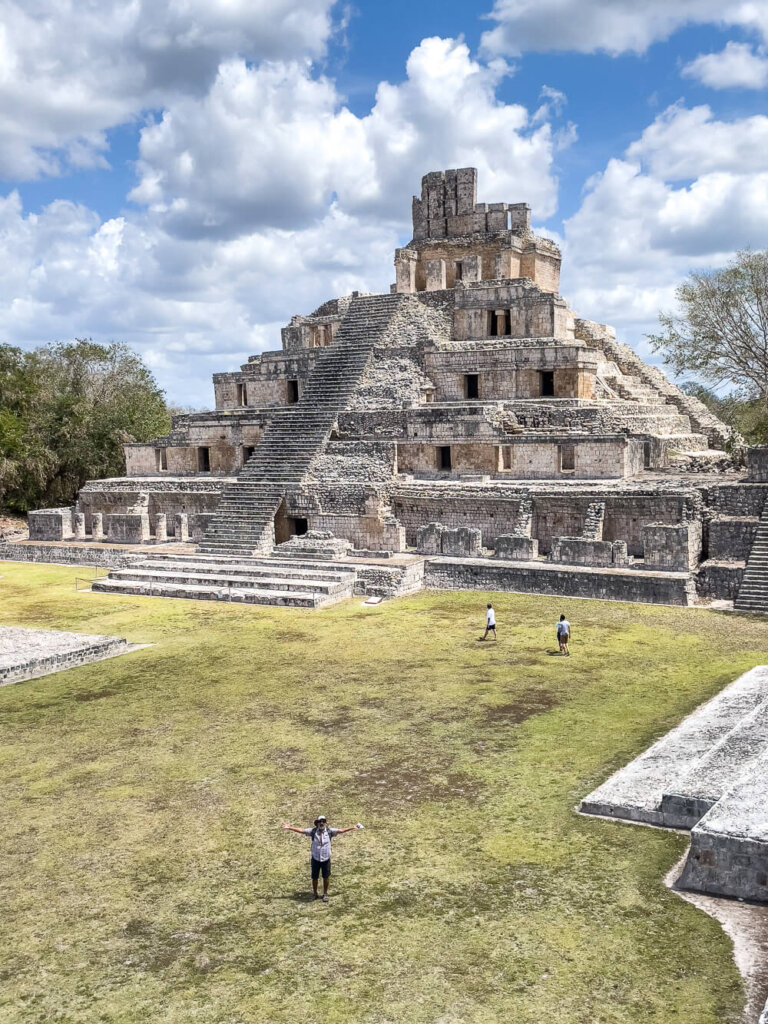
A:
[(320, 854)]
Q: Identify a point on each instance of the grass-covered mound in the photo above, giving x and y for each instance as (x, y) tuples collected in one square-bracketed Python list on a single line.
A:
[(144, 876)]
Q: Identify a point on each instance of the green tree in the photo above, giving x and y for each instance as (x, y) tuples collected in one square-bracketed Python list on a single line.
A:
[(65, 412), (719, 335)]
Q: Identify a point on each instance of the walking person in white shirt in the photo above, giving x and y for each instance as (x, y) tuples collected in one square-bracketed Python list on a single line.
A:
[(490, 623), (564, 635), (321, 837)]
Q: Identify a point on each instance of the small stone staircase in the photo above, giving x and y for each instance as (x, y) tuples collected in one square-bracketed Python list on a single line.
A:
[(273, 581), (709, 775), (244, 521), (753, 592)]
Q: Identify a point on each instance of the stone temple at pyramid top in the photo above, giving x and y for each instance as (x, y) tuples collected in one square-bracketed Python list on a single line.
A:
[(456, 238)]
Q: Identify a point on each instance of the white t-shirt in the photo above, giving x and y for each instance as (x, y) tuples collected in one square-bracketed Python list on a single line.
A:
[(321, 842), (490, 617), (564, 628)]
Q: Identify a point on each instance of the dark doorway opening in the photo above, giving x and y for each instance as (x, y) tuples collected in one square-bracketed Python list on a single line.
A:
[(248, 450), (444, 457), (241, 395), (548, 383), (471, 385), (204, 460), (293, 392), (646, 455), (298, 527)]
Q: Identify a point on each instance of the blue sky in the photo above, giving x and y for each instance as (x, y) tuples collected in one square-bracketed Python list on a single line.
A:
[(186, 177)]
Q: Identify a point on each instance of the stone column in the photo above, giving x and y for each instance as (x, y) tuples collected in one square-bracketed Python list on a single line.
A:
[(405, 270), (182, 527), (161, 528), (435, 275), (97, 526), (78, 522)]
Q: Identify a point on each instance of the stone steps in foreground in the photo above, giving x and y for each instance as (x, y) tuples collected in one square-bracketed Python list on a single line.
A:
[(729, 846), (293, 599), (244, 581), (636, 792), (235, 568)]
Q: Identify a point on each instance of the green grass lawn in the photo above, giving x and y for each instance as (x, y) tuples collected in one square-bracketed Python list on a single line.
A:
[(144, 875)]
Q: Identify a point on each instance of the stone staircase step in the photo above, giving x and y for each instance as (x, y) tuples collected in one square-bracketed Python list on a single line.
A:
[(753, 592), (235, 568), (705, 782), (636, 791), (729, 846), (185, 575), (293, 599)]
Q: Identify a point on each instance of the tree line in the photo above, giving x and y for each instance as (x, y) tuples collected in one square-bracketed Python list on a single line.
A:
[(66, 409)]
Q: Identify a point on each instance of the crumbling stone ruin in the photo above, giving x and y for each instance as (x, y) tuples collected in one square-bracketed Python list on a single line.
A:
[(547, 455)]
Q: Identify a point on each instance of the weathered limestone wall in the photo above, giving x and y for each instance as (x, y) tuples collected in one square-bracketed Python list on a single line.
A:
[(64, 554), (532, 313), (719, 580), (554, 515), (673, 547), (605, 584), (757, 464), (114, 497), (731, 538), (50, 524), (506, 372)]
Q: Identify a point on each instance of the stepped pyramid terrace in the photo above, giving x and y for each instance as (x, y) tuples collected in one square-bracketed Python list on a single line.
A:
[(466, 429)]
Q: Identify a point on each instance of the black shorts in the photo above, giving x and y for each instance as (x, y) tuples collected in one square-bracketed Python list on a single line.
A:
[(562, 638), (320, 867)]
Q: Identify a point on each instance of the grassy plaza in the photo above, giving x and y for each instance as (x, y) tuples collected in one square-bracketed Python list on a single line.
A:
[(146, 878)]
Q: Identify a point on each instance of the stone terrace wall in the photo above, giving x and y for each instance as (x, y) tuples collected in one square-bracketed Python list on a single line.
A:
[(605, 584)]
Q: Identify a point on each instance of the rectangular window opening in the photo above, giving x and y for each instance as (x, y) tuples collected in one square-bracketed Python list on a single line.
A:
[(444, 458), (506, 457), (567, 458), (248, 450), (471, 385), (548, 383), (298, 527), (293, 392), (459, 270), (203, 460), (161, 457), (241, 395), (646, 455)]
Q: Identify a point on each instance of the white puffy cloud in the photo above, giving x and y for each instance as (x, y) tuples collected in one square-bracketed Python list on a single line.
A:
[(71, 69), (686, 195), (689, 142), (270, 145), (612, 26), (260, 199), (737, 66)]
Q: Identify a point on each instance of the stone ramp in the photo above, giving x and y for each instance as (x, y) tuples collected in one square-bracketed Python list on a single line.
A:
[(32, 653), (681, 759), (266, 581), (753, 592), (710, 775), (296, 434)]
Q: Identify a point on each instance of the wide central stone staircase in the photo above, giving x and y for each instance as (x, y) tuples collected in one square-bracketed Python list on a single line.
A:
[(753, 592), (709, 775), (289, 582), (244, 521)]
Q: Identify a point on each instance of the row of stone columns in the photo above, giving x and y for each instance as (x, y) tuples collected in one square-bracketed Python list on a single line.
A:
[(181, 522)]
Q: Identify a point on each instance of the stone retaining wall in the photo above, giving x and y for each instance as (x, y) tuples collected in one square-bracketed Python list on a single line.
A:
[(65, 554), (603, 584)]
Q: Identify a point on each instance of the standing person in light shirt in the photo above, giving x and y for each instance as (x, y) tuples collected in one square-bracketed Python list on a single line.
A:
[(564, 635), (321, 837), (490, 623)]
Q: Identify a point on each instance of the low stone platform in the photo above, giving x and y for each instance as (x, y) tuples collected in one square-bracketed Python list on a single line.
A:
[(272, 581), (31, 653), (646, 586), (710, 775)]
